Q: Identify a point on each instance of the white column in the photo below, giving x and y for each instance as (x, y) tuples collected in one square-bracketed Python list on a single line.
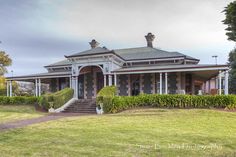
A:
[(39, 87), (160, 83), (74, 86), (7, 88), (219, 82), (110, 80), (166, 83), (226, 82), (10, 88), (105, 80), (70, 79), (115, 79), (36, 87)]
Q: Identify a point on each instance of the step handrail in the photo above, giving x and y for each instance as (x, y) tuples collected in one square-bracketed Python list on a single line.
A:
[(62, 108)]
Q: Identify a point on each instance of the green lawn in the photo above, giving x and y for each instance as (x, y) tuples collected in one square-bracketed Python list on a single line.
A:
[(136, 133), (16, 112)]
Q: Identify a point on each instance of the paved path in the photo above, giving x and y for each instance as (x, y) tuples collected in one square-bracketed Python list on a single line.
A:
[(26, 122)]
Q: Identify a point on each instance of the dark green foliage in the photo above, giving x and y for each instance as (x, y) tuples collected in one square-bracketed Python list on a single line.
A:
[(57, 99), (230, 21), (232, 73), (119, 103), (18, 100), (3, 92)]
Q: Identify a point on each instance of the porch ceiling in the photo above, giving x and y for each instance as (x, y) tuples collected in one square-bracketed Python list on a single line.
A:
[(205, 75)]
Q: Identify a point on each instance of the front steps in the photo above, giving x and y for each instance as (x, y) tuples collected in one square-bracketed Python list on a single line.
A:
[(82, 106)]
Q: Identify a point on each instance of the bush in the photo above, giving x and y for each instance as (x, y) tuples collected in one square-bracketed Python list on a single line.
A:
[(105, 95), (18, 100), (57, 99), (119, 103)]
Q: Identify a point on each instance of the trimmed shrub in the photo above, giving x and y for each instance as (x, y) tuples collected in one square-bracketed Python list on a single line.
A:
[(105, 95), (57, 99), (18, 100), (119, 103), (108, 91)]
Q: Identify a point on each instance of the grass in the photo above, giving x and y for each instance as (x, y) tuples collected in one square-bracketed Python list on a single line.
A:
[(10, 113), (141, 133)]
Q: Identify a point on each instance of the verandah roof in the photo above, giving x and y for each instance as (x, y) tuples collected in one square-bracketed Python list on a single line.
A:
[(203, 71), (40, 75)]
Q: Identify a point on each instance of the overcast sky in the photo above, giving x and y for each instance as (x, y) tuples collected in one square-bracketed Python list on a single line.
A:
[(39, 32)]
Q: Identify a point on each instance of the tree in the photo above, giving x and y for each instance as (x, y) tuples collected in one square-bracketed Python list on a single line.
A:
[(230, 20), (232, 74), (3, 86), (5, 61)]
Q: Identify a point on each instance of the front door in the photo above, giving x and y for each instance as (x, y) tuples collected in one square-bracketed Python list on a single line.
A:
[(81, 87), (135, 85)]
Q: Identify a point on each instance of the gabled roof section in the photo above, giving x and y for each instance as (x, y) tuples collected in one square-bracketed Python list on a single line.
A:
[(93, 51), (142, 53), (64, 62)]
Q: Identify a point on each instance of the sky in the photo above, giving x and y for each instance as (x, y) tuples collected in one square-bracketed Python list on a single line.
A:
[(36, 33)]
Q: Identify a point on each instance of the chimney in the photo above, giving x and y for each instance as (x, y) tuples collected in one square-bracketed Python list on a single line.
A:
[(94, 44), (150, 37)]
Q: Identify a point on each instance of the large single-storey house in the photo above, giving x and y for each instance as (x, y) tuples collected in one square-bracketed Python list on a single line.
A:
[(133, 70)]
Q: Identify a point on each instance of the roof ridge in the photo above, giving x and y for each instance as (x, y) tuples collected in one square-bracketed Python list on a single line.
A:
[(131, 48)]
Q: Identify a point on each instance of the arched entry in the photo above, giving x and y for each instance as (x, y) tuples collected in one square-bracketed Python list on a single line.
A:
[(90, 81)]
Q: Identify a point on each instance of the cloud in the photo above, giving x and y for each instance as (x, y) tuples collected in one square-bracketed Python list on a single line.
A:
[(40, 32)]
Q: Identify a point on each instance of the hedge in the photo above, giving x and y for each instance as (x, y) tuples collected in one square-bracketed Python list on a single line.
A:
[(57, 99), (18, 100), (119, 103), (105, 95)]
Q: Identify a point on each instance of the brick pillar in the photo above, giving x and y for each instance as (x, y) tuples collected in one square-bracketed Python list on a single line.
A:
[(94, 84), (141, 83), (129, 85), (85, 86), (153, 83), (118, 84)]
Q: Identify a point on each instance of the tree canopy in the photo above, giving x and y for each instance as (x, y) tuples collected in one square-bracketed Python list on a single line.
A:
[(5, 61), (232, 74), (230, 20)]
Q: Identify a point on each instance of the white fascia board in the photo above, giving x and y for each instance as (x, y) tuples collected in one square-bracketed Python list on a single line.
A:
[(57, 67), (160, 59), (37, 77), (95, 56), (172, 70)]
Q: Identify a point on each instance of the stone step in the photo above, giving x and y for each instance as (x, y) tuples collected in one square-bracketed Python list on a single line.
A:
[(82, 106)]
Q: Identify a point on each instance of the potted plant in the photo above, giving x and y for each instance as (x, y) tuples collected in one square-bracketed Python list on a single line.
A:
[(51, 109), (99, 109)]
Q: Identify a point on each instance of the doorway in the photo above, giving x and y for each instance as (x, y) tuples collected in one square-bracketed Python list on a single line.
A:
[(135, 85), (81, 86)]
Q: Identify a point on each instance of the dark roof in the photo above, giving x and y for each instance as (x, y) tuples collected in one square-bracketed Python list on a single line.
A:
[(128, 54), (60, 63), (40, 75), (97, 50), (139, 53), (142, 53), (170, 67)]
